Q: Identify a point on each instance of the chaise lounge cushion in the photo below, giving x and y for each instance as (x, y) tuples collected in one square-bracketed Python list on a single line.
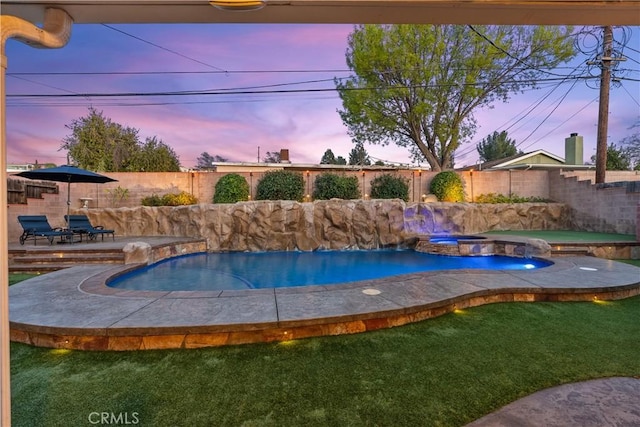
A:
[(35, 226), (81, 224)]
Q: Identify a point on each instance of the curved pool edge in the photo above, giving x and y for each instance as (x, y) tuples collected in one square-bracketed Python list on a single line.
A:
[(74, 308)]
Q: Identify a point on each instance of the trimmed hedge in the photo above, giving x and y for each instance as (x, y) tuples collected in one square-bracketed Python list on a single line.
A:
[(333, 186), (447, 186), (280, 185), (231, 188), (390, 186)]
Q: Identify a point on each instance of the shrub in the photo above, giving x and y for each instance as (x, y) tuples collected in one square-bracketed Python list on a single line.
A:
[(180, 199), (153, 200), (501, 198), (390, 186), (280, 185), (231, 188), (117, 195), (447, 186), (333, 186)]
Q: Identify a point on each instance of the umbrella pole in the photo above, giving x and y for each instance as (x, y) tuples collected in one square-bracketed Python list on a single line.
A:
[(68, 200)]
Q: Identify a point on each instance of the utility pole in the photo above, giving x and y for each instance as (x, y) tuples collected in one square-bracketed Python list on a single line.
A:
[(603, 111)]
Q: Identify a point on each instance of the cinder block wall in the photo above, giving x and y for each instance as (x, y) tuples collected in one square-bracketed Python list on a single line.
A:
[(509, 183), (608, 209), (610, 176)]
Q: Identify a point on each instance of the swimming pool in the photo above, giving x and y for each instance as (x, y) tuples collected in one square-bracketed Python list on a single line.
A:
[(262, 270)]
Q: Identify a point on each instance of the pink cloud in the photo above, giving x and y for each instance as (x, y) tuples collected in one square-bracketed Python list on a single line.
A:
[(233, 126)]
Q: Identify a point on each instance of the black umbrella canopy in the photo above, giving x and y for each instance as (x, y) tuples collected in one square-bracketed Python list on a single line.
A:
[(66, 174)]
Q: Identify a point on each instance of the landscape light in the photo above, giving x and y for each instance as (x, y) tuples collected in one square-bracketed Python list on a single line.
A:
[(238, 5)]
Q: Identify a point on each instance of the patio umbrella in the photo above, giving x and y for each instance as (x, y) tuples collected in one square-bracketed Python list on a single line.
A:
[(66, 174)]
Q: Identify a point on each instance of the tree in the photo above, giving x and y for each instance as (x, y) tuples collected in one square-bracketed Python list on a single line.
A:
[(496, 146), (205, 161), (154, 156), (359, 156), (631, 145), (96, 143), (418, 85), (618, 159), (272, 157), (328, 158)]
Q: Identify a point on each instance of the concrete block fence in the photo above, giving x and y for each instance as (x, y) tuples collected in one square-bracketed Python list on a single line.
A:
[(592, 208)]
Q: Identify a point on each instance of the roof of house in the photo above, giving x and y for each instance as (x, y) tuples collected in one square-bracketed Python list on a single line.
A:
[(539, 159)]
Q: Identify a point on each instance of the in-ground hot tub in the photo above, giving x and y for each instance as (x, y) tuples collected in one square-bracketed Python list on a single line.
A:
[(468, 245)]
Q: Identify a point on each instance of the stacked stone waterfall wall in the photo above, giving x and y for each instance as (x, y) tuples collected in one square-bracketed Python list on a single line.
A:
[(594, 207), (326, 224)]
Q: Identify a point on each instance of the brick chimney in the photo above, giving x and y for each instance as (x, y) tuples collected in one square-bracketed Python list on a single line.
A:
[(284, 155)]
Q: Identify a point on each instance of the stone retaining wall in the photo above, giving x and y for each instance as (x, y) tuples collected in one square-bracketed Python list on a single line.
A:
[(328, 224)]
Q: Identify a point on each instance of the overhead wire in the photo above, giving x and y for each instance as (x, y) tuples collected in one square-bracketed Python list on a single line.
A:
[(563, 123), (163, 48), (630, 96), (125, 73), (251, 90), (469, 150)]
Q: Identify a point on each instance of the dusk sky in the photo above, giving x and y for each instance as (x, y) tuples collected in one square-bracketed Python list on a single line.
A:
[(223, 57)]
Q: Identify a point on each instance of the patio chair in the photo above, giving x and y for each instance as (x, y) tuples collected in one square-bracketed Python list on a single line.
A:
[(35, 226), (80, 224)]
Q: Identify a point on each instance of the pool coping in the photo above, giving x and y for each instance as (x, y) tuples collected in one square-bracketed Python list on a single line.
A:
[(73, 308)]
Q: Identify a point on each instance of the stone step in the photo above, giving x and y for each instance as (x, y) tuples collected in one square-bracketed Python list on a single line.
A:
[(35, 268), (569, 251), (70, 258), (43, 261)]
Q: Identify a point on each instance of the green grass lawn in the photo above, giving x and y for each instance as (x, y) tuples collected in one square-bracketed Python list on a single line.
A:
[(446, 371), (635, 262), (564, 236), (19, 277)]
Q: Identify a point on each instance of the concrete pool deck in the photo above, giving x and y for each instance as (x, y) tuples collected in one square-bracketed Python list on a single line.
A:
[(604, 402), (73, 308)]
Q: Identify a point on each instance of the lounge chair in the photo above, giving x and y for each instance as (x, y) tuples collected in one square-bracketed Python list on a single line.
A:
[(35, 226), (80, 224)]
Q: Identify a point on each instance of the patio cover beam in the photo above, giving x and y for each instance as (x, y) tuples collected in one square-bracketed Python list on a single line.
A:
[(517, 12)]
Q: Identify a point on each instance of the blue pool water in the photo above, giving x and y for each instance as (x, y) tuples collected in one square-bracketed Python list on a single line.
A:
[(452, 240), (251, 270)]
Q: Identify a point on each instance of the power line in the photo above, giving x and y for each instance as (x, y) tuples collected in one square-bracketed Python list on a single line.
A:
[(43, 84), (630, 96), (134, 73), (518, 60), (564, 122), (163, 48), (249, 91), (529, 110)]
